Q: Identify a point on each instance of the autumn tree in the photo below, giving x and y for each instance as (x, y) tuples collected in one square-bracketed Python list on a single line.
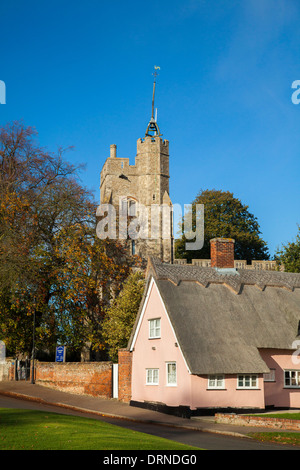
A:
[(28, 176), (92, 274), (288, 255), (51, 261), (120, 317), (226, 216)]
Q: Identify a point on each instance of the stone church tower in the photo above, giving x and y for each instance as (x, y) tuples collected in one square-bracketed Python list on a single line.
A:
[(142, 190)]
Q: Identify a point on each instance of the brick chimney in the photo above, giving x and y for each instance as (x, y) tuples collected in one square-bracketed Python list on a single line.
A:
[(222, 252)]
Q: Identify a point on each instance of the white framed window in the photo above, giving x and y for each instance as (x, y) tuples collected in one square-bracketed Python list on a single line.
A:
[(247, 381), (171, 374), (216, 381), (152, 376), (292, 378), (270, 376), (154, 328)]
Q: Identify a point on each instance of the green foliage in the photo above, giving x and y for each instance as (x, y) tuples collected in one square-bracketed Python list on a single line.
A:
[(120, 317), (226, 216), (289, 255)]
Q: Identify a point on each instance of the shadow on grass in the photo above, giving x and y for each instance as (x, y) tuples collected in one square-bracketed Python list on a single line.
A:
[(38, 430)]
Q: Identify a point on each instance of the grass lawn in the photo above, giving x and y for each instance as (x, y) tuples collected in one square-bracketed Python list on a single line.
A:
[(292, 438), (280, 415), (37, 430)]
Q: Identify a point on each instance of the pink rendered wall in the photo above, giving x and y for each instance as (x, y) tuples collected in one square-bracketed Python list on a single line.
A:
[(230, 397), (275, 393), (154, 353)]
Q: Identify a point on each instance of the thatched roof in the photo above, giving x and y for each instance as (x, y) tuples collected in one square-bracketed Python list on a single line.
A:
[(222, 317)]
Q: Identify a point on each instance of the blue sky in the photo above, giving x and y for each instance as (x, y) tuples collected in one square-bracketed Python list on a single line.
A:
[(81, 74)]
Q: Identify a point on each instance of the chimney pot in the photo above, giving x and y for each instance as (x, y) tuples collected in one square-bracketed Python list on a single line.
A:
[(222, 252)]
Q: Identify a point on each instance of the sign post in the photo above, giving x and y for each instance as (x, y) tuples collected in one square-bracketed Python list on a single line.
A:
[(60, 354)]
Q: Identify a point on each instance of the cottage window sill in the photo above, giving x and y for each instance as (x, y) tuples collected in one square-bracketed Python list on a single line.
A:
[(216, 388), (248, 388), (294, 387)]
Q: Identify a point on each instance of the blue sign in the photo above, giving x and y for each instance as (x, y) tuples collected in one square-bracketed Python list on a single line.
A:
[(60, 354)]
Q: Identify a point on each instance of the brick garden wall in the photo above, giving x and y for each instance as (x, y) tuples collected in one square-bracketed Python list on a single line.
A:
[(266, 422), (83, 378)]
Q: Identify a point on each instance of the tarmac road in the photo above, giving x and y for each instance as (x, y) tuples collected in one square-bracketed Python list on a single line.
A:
[(203, 440)]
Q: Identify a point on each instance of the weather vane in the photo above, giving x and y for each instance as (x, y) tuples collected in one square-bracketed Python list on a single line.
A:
[(153, 126), (155, 73)]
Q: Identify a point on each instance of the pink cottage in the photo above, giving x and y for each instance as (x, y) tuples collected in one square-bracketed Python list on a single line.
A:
[(211, 339)]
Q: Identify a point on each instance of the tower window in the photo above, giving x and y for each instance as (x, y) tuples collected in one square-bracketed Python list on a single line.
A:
[(133, 247), (153, 197), (132, 208)]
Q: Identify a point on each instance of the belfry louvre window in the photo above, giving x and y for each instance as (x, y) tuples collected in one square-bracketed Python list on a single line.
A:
[(132, 208), (154, 328)]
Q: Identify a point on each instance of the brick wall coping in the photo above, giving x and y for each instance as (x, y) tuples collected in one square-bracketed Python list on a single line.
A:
[(86, 364)]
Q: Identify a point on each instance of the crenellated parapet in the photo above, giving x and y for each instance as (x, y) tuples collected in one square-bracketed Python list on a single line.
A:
[(256, 265)]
